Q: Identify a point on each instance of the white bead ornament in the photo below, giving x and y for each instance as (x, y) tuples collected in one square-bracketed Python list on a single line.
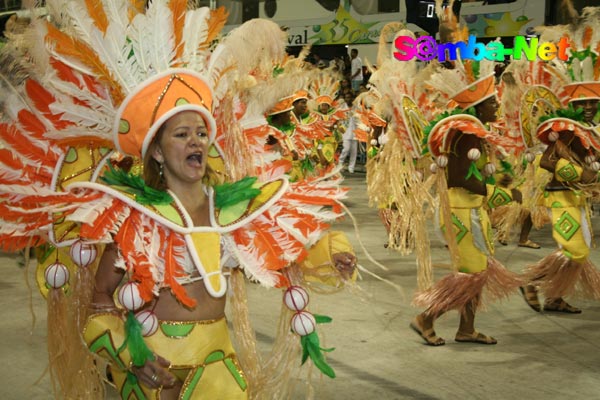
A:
[(553, 136), (590, 159), (303, 323), (433, 168), (129, 296), (530, 157), (374, 142), (418, 175), (56, 275), (149, 322), (295, 298), (489, 169), (83, 254), (442, 161), (474, 154), (595, 166)]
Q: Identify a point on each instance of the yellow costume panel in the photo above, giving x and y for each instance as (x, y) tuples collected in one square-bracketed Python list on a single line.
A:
[(200, 352), (570, 223), (472, 229)]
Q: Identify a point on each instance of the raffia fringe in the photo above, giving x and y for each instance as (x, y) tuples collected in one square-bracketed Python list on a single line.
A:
[(275, 375), (455, 291), (558, 276), (73, 372), (540, 217), (393, 181), (506, 218)]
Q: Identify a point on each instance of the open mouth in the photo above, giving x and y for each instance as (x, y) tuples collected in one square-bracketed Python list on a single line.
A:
[(195, 159)]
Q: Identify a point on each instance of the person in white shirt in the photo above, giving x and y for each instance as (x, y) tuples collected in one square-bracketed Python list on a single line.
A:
[(356, 75), (350, 144)]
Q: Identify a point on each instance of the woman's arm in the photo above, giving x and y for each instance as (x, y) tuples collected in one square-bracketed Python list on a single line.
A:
[(108, 278)]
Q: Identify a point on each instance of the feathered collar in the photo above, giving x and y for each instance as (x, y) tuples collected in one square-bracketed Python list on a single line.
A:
[(229, 215)]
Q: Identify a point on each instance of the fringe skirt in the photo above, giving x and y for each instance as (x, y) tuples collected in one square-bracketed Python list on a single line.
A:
[(556, 275), (457, 290)]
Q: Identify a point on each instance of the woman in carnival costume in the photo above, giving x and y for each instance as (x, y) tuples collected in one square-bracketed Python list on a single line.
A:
[(173, 227), (460, 141), (571, 157)]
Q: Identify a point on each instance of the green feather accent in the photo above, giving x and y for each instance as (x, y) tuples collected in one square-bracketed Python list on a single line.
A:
[(44, 251), (287, 128), (372, 152), (235, 192), (134, 184), (570, 113), (507, 168), (306, 165), (311, 347), (134, 341), (428, 128), (475, 66), (490, 180), (322, 319), (473, 171), (580, 55), (278, 70)]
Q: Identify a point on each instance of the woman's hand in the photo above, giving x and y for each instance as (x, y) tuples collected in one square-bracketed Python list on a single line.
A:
[(154, 374), (345, 263)]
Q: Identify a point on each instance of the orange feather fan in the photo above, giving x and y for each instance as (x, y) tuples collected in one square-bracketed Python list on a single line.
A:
[(12, 243), (71, 47)]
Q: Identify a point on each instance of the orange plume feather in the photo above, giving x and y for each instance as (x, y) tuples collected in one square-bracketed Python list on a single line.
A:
[(216, 22), (267, 246), (7, 158), (96, 12), (173, 269), (96, 229), (178, 9), (17, 141), (32, 124), (587, 36), (135, 7)]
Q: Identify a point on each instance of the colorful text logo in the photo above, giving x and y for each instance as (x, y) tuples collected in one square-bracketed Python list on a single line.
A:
[(425, 48)]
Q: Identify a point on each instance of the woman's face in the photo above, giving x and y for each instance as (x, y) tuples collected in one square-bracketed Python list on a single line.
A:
[(183, 149)]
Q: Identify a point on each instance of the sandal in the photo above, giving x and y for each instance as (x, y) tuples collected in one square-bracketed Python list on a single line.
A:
[(475, 337), (503, 242), (530, 244), (529, 293), (429, 336), (559, 305)]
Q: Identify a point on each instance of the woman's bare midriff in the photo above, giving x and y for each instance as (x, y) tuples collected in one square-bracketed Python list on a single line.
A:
[(168, 308)]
